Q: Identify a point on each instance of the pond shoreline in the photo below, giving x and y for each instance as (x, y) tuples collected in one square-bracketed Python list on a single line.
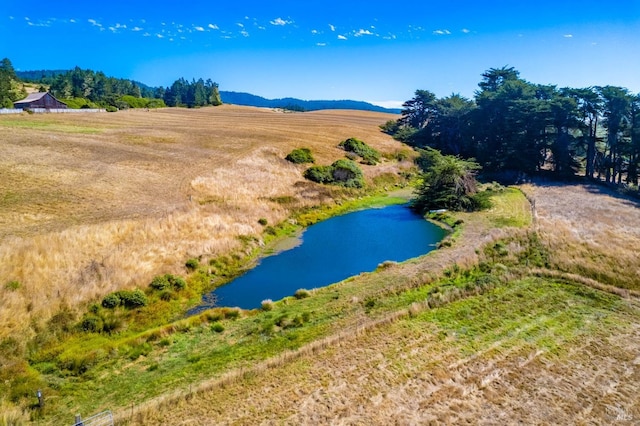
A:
[(341, 246)]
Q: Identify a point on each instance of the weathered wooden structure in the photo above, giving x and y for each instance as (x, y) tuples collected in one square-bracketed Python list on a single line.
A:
[(39, 100)]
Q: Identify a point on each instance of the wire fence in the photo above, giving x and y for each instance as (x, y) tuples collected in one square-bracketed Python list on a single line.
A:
[(101, 419)]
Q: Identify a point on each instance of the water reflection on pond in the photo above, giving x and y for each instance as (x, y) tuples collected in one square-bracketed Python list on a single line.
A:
[(333, 250)]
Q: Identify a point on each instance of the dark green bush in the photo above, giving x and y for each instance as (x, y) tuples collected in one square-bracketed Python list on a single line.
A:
[(133, 299), (192, 264), (161, 282), (92, 323), (262, 221), (369, 155), (300, 156), (343, 172), (319, 174), (217, 327), (177, 282), (168, 282), (111, 300), (347, 173)]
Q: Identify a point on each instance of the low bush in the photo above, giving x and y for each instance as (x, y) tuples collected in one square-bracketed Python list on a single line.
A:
[(267, 305), (168, 281), (319, 174), (347, 173), (127, 298), (300, 156), (369, 155), (301, 293), (343, 172), (133, 298), (217, 327), (92, 323), (192, 264)]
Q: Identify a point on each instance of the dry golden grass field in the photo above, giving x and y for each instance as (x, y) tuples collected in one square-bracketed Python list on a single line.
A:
[(91, 203), (529, 313)]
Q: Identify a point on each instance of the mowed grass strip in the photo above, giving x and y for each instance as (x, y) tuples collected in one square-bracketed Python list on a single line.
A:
[(468, 359)]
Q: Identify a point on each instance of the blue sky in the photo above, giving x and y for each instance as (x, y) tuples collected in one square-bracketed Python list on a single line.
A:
[(335, 49)]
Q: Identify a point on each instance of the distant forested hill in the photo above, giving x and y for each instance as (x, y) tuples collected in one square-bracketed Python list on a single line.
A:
[(239, 98), (101, 90)]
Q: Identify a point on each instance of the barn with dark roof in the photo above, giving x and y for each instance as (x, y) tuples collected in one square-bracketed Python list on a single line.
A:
[(39, 100)]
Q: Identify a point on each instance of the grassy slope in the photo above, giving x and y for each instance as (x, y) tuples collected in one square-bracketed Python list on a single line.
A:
[(370, 350), (514, 354), (92, 203)]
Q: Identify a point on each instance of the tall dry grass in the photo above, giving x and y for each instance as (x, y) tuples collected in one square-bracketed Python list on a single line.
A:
[(99, 202), (590, 231)]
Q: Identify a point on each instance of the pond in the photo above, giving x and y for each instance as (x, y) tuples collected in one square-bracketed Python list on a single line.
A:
[(332, 251)]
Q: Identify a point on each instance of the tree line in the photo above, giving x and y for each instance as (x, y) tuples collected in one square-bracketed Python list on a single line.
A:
[(514, 128), (10, 88), (88, 88)]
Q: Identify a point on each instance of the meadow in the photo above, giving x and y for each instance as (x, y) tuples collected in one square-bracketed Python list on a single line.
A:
[(527, 312), (99, 202)]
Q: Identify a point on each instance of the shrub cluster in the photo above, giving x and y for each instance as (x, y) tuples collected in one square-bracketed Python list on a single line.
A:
[(343, 172), (369, 155), (168, 282), (300, 156), (127, 298)]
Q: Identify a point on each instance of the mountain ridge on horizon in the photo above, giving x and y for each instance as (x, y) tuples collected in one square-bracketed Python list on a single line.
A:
[(248, 99)]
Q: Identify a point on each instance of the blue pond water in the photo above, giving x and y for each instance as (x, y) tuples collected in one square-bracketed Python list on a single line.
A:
[(331, 251)]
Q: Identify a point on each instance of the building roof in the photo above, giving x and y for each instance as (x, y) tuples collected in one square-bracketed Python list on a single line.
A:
[(32, 97)]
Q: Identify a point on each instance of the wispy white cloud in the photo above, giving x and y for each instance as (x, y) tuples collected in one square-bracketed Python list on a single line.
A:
[(73, 21), (442, 32), (213, 27), (94, 23), (341, 37), (159, 36), (568, 36), (314, 32), (388, 104), (146, 35), (11, 17), (362, 32), (466, 30), (241, 25), (199, 28), (321, 44), (244, 33), (39, 24), (332, 28), (116, 27), (280, 22), (136, 29)]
